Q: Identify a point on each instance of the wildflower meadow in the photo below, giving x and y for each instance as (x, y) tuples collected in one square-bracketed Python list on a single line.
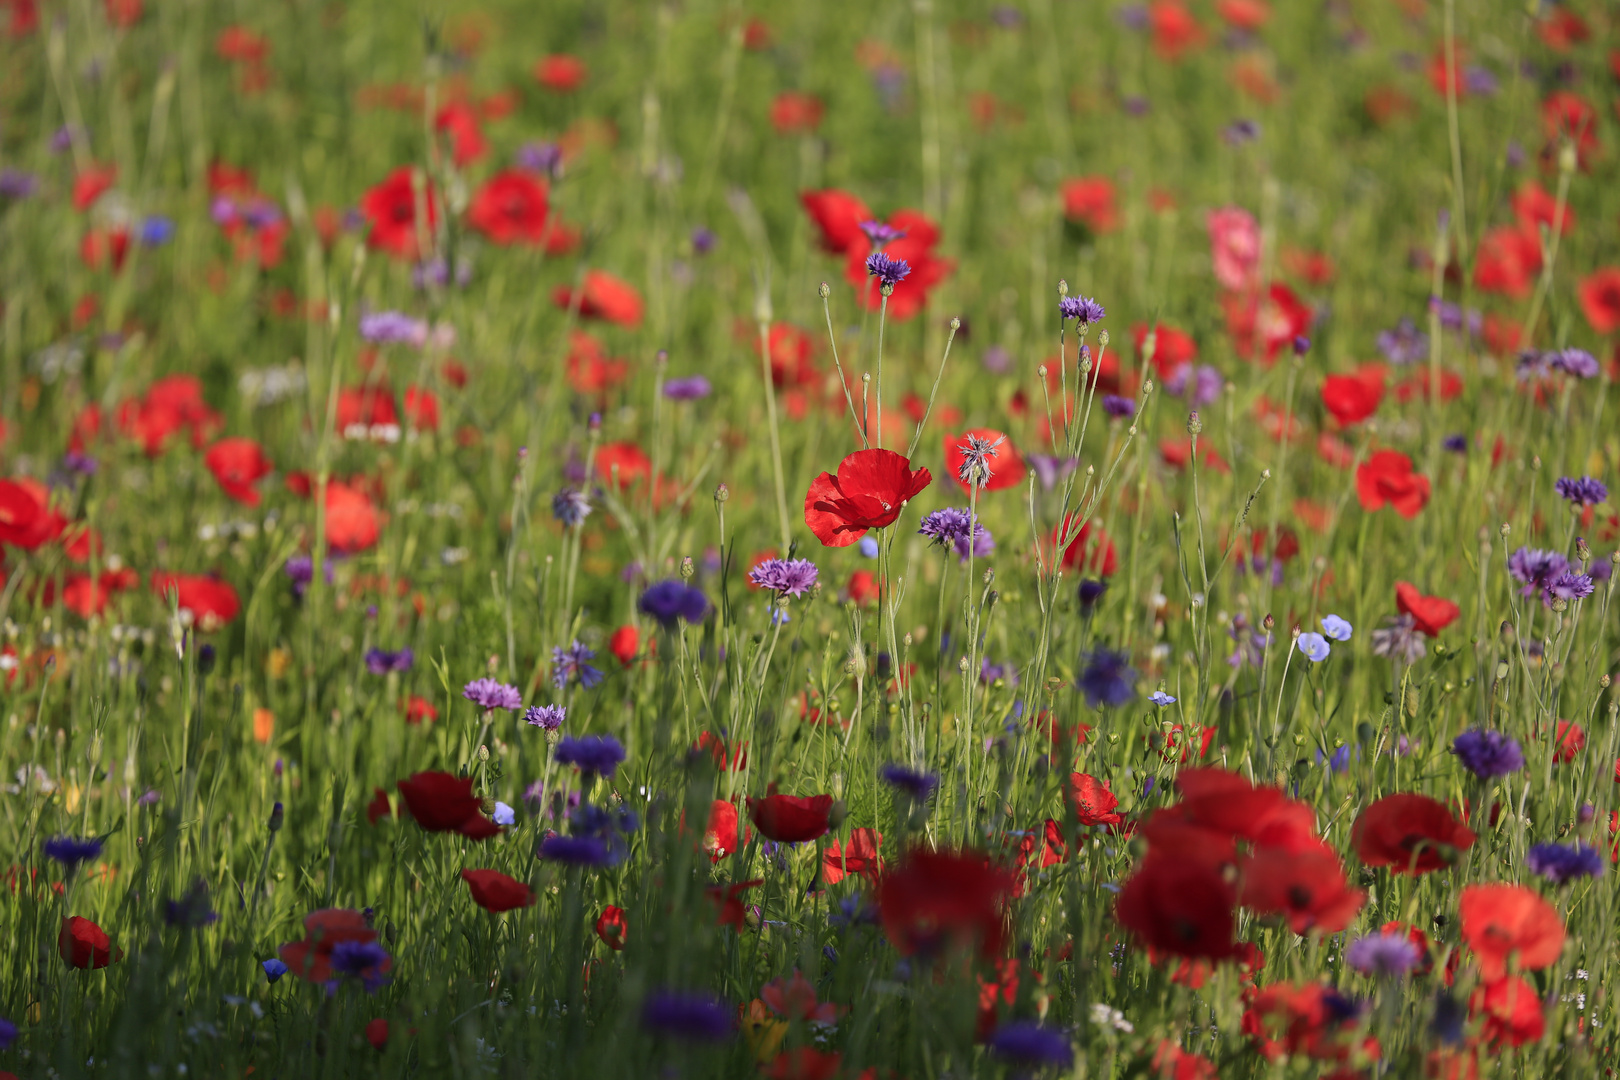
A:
[(830, 541)]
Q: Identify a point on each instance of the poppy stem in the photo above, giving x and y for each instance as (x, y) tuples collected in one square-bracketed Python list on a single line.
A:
[(883, 318), (770, 413), (849, 399)]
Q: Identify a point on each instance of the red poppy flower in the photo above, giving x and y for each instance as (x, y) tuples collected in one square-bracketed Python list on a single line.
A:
[(1499, 921), (100, 246), (460, 121), (791, 348), (421, 408), (1172, 349), (795, 113), (1508, 260), (1228, 804), (837, 216), (1094, 804), (242, 45), (1419, 386), (1571, 741), (560, 72), (209, 602), (361, 409), (1512, 1012), (1310, 1019), (868, 493), (1179, 906), (1534, 206), (1089, 201), (1307, 887), (83, 944), (377, 1034), (510, 208), (863, 588), (1353, 398), (391, 209), (1006, 468), (720, 836), (1567, 115), (624, 643), (916, 249), (590, 369), (89, 185), (352, 522), (728, 901), (604, 297), (1386, 479), (1244, 14), (1170, 1061), (238, 463), (1269, 323), (418, 709), (934, 899), (26, 520), (860, 857), (1600, 299), (170, 404), (1447, 71), (441, 802), (790, 819), (379, 807), (1431, 614), (612, 927), (1410, 834), (804, 1063), (623, 464), (324, 930), (494, 891), (1561, 29), (1175, 30)]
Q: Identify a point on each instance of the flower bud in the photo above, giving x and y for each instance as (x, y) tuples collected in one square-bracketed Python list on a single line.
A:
[(825, 290), (1194, 424), (687, 569), (721, 493), (1063, 287), (1102, 338), (277, 814), (956, 324)]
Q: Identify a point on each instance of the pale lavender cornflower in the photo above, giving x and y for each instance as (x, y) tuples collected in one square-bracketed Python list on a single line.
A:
[(17, 185), (1336, 628), (1567, 586), (1239, 132), (1049, 468), (570, 506), (393, 328), (688, 388), (1385, 955), (1405, 344), (1576, 362), (983, 543), (1314, 646), (1251, 643), (1534, 567), (703, 240), (1399, 638), (879, 234), (547, 717), (785, 577), (1581, 490), (1201, 383), (976, 454), (490, 694), (890, 272), (540, 157), (997, 360), (1082, 308)]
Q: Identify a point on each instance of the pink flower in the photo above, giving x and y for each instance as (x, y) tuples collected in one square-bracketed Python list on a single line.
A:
[(1234, 241)]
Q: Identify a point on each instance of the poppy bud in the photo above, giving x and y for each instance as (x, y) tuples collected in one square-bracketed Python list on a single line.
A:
[(825, 290), (1567, 158), (1150, 346), (837, 814), (990, 601), (486, 804), (276, 815)]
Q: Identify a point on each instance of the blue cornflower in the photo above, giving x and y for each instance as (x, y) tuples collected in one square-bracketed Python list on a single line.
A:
[(1456, 444), (947, 526), (365, 960), (8, 1033), (70, 851), (381, 661), (1582, 491), (703, 240), (549, 717), (1121, 407), (890, 272), (570, 506), (1568, 586), (17, 185), (1314, 646), (576, 851), (785, 577), (1030, 1044), (1561, 865), (698, 1017), (156, 231), (489, 694), (1082, 308), (1089, 592), (572, 663), (594, 754), (1488, 754), (1108, 678), (1389, 955), (1336, 628), (191, 911), (916, 784), (273, 969), (671, 601)]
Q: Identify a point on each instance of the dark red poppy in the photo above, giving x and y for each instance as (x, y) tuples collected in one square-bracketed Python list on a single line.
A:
[(510, 208), (1089, 201), (1386, 479), (1006, 468), (442, 802), (730, 910), (494, 891), (837, 216), (83, 944), (1409, 833), (1499, 921), (612, 927), (1432, 614), (604, 297), (1175, 30), (391, 208), (238, 463), (561, 73), (1600, 299), (377, 1034), (379, 807), (324, 930), (795, 113), (859, 857), (804, 1063), (938, 899), (210, 602), (1560, 29), (1307, 887), (1512, 1012), (868, 493), (1093, 803), (1180, 906), (1353, 398), (790, 819), (916, 249), (1507, 261)]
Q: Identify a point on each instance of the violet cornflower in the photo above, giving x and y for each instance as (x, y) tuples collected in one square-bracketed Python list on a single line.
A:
[(489, 694)]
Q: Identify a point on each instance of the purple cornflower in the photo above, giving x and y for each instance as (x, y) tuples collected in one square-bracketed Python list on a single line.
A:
[(191, 911), (1568, 586), (381, 661), (1108, 678), (689, 388), (697, 1017), (785, 577), (670, 601), (1405, 344), (989, 673), (1115, 405), (80, 463), (1239, 132), (976, 454), (17, 185), (70, 851), (983, 543), (913, 783), (1049, 468), (890, 272), (1457, 444), (1387, 955), (1399, 638), (1031, 1045), (1488, 754), (1136, 105), (365, 960), (1251, 643), (1203, 380), (880, 234), (1090, 591), (997, 360), (549, 717), (1082, 308), (572, 662), (1561, 865), (1577, 362), (489, 694), (393, 328), (576, 850), (1534, 567), (703, 240), (300, 570), (570, 506), (1006, 16), (540, 157), (1134, 17), (1480, 80), (596, 755), (1581, 490), (948, 526)]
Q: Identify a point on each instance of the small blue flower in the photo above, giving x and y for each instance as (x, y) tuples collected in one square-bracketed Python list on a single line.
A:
[(1315, 647), (868, 547), (504, 814), (1336, 628), (1161, 699), (273, 969)]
